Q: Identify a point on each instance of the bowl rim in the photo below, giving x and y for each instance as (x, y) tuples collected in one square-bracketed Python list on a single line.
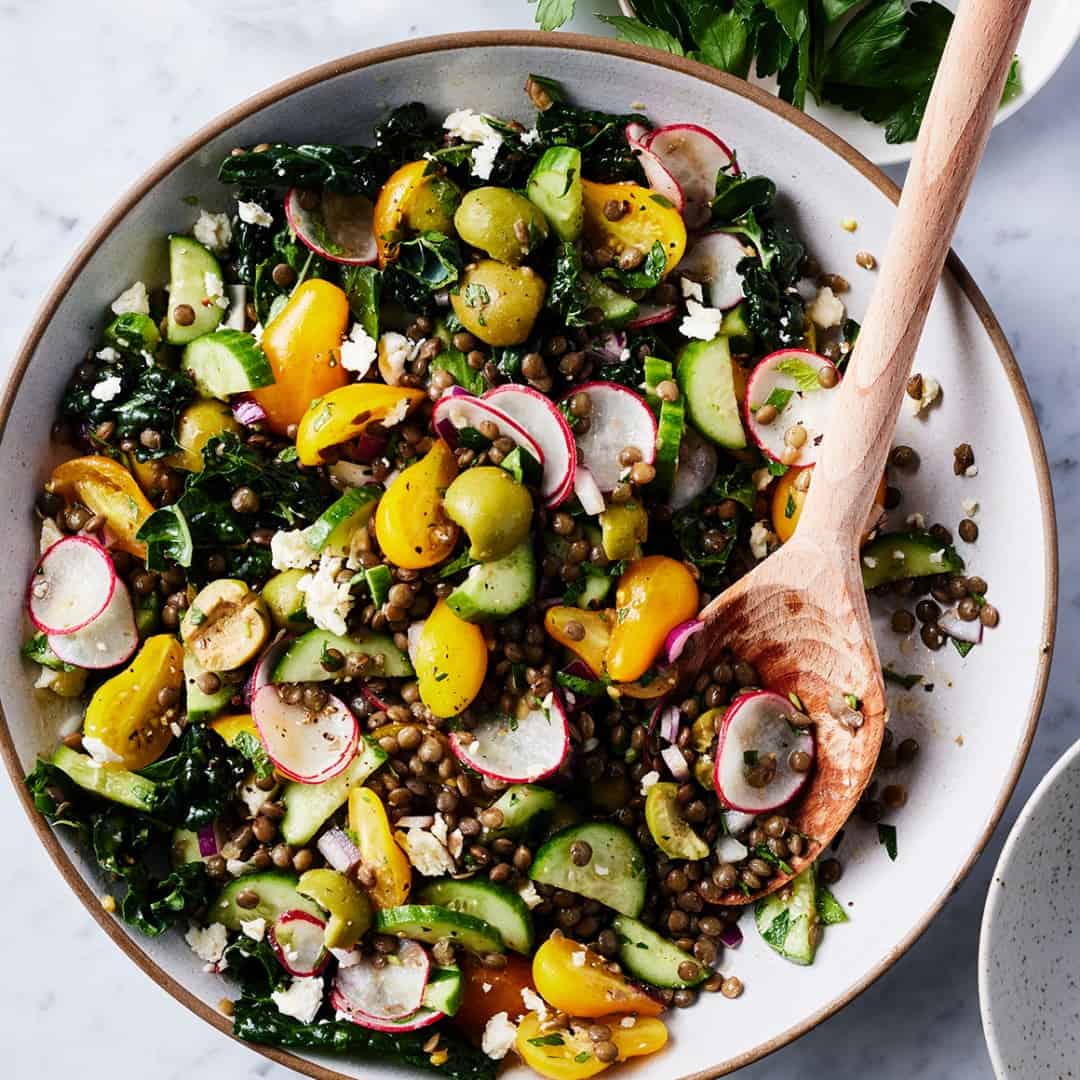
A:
[(996, 892), (487, 39)]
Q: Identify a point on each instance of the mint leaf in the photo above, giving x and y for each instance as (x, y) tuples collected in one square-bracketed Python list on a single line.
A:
[(551, 14), (776, 935), (638, 33), (725, 44), (799, 370)]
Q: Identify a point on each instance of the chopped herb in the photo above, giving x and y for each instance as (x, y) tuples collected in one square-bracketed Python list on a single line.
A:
[(547, 1040), (828, 907), (887, 837), (962, 647), (776, 934), (750, 757), (906, 681), (789, 506)]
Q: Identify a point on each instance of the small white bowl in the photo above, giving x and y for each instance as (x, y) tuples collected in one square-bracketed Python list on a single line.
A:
[(1029, 947)]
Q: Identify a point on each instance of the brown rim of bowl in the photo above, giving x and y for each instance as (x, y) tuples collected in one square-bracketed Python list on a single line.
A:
[(581, 43)]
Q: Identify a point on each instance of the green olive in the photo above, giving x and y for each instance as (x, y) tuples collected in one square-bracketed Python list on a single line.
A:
[(225, 626), (431, 208), (624, 526), (501, 222), (669, 829), (492, 507), (703, 731), (348, 907), (499, 303)]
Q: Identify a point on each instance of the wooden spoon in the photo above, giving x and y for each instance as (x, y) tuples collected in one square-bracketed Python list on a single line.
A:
[(800, 617)]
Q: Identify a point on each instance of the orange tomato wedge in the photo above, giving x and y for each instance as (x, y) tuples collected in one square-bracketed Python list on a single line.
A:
[(108, 489)]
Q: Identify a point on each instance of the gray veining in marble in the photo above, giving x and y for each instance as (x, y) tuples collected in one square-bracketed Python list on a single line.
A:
[(94, 93)]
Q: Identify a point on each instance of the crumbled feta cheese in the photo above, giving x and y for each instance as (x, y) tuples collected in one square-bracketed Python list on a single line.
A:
[(109, 355), (601, 871), (100, 752), (898, 555), (915, 521), (931, 391), (257, 332), (578, 958), (648, 780), (937, 556), (395, 415), (761, 479), (134, 300), (358, 351), (972, 470), (302, 1000), (239, 867), (427, 853), (213, 231), (251, 213), (700, 322), (50, 533), (254, 928), (483, 158), (628, 1021), (486, 987), (327, 601), (826, 309), (691, 290), (207, 942), (395, 351), (253, 797), (107, 389), (215, 289), (473, 127), (869, 561), (530, 137), (528, 893), (533, 1001), (762, 539), (439, 828), (499, 1035), (290, 550), (970, 507)]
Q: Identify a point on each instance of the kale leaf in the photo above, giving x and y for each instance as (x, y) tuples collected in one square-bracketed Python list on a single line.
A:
[(167, 537), (363, 287), (267, 295), (252, 244), (567, 294), (433, 259), (407, 134), (350, 170)]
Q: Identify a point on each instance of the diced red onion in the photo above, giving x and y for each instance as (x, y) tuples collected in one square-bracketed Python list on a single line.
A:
[(247, 411), (588, 491), (730, 850), (208, 844), (676, 763), (608, 346), (669, 723), (339, 851), (373, 699), (413, 636), (676, 640), (444, 426), (731, 936), (960, 629), (416, 821)]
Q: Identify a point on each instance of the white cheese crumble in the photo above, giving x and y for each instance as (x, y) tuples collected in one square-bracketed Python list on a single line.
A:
[(528, 893), (100, 752), (691, 290), (213, 231), (970, 507), (648, 780), (826, 309), (327, 601), (50, 533), (253, 797), (134, 300), (473, 127), (499, 1035), (358, 351), (530, 137), (578, 958), (702, 323), (972, 470), (395, 351), (251, 213), (215, 289), (290, 550), (426, 853), (254, 928), (107, 389), (898, 555), (869, 561), (302, 1000), (108, 354), (534, 1002), (207, 943), (931, 391), (937, 556), (762, 539), (915, 521)]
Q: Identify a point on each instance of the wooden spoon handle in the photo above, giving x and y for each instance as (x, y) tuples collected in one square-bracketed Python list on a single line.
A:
[(959, 115)]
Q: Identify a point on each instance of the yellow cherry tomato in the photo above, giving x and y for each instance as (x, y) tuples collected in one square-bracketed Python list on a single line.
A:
[(302, 342), (585, 987), (107, 488), (346, 412), (451, 661), (370, 826), (410, 525), (654, 595), (573, 1056), (126, 714), (788, 497), (229, 727), (650, 219), (393, 209), (592, 648), (199, 423)]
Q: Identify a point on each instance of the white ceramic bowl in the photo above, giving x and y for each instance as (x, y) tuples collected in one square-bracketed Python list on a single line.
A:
[(1029, 950), (974, 728)]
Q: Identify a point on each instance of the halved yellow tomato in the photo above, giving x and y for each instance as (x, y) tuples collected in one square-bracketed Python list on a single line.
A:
[(590, 647), (348, 411), (108, 489), (649, 219), (370, 826), (450, 658), (415, 197), (788, 497), (570, 1054)]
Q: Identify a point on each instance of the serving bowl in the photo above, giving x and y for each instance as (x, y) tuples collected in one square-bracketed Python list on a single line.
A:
[(1028, 956), (974, 725)]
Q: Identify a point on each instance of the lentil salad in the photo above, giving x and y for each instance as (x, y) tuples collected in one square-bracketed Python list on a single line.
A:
[(389, 522)]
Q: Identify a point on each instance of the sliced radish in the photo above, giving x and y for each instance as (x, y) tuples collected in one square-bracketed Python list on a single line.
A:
[(297, 938), (588, 491), (792, 378), (711, 260), (653, 315), (637, 134), (422, 1018), (391, 992), (340, 228), (619, 418), (697, 467), (659, 178), (71, 586), (519, 751), (540, 417), (305, 746), (107, 641), (959, 629), (694, 157), (453, 412), (760, 728), (676, 640), (260, 675)]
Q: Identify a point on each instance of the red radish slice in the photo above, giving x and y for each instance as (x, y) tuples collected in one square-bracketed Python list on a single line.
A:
[(712, 260), (392, 992), (340, 228), (637, 134), (698, 462), (588, 491), (456, 411), (266, 663), (653, 315), (71, 586), (659, 179), (758, 728), (297, 939), (676, 640), (305, 746), (783, 375), (693, 156), (109, 640), (519, 751), (422, 1018), (619, 418), (540, 417)]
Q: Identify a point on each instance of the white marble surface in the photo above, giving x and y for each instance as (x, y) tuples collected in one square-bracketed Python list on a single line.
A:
[(94, 94)]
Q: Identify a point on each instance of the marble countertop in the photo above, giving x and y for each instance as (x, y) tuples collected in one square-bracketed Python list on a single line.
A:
[(95, 94)]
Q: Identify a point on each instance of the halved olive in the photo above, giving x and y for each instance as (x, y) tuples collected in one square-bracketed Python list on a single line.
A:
[(668, 827), (492, 507), (498, 303), (348, 907), (501, 222), (225, 626)]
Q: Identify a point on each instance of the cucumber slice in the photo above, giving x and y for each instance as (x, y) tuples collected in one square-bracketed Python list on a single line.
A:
[(895, 556), (445, 990), (736, 329), (200, 705), (651, 958), (116, 785), (618, 309), (498, 588), (615, 875), (522, 806), (227, 362), (333, 528), (185, 847), (379, 581), (594, 591), (523, 467), (498, 907), (429, 923), (706, 378), (285, 600), (133, 330), (302, 660), (307, 806), (555, 188), (189, 263), (786, 925), (277, 894)]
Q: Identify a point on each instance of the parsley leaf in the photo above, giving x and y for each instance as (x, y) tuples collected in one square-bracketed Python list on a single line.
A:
[(551, 14), (638, 33), (887, 838), (799, 370)]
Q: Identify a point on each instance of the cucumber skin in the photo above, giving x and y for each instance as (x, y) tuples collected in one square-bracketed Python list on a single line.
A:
[(917, 548), (117, 785), (200, 705), (498, 588), (511, 916), (353, 509), (705, 376), (801, 909), (646, 963), (424, 922), (522, 805), (249, 369), (189, 288), (226, 911), (618, 309), (301, 662), (445, 990)]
